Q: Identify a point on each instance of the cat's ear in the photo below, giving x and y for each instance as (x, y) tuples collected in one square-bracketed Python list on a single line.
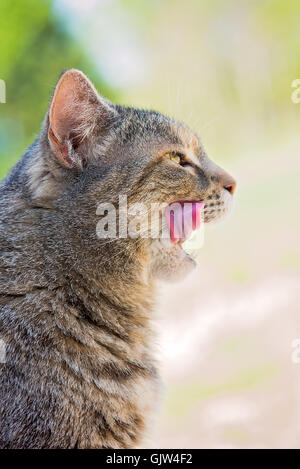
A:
[(76, 112)]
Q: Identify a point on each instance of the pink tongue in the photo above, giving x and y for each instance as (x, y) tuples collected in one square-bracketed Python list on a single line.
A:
[(183, 218)]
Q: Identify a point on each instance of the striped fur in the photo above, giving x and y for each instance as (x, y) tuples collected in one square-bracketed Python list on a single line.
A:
[(75, 310)]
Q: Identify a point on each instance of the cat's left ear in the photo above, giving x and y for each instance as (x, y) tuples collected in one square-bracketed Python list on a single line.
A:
[(76, 113)]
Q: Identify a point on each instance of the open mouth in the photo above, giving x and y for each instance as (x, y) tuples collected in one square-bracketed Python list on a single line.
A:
[(184, 220)]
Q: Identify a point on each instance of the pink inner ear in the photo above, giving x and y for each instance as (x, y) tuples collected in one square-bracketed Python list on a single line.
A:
[(64, 109), (75, 110), (72, 113), (60, 149)]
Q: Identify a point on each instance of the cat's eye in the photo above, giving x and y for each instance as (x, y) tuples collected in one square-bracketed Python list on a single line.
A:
[(173, 156)]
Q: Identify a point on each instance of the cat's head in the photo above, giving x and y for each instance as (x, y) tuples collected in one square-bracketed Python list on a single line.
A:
[(98, 151)]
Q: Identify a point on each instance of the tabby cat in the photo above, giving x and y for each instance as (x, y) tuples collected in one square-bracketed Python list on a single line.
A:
[(75, 308)]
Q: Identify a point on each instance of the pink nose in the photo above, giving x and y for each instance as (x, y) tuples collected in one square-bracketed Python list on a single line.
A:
[(227, 181), (230, 187)]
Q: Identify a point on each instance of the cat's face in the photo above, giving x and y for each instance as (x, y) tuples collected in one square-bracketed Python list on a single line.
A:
[(149, 158), (170, 165)]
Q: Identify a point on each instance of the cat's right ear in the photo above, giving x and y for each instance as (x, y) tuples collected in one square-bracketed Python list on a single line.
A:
[(76, 112)]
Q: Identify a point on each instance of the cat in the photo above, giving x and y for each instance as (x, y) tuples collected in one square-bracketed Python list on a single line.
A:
[(75, 309)]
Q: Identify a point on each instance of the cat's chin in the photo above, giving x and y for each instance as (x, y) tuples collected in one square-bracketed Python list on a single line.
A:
[(169, 262)]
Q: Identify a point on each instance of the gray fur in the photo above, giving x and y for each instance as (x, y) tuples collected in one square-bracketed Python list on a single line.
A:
[(75, 311)]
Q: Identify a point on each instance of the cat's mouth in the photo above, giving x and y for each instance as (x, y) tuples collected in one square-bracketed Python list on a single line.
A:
[(176, 252), (184, 220)]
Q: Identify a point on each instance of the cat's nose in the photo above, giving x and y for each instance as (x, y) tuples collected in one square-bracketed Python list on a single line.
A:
[(228, 182), (230, 187)]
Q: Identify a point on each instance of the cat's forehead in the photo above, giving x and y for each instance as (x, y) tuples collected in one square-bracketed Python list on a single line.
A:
[(189, 141), (161, 131)]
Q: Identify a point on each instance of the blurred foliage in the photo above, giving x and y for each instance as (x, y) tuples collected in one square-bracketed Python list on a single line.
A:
[(225, 67), (238, 59), (35, 48)]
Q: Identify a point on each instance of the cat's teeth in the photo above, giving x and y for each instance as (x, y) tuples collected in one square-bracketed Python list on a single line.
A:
[(194, 243)]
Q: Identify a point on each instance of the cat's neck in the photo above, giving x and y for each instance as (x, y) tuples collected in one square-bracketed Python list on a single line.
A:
[(120, 302)]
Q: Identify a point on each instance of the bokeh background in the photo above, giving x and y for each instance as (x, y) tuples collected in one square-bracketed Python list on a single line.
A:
[(226, 68)]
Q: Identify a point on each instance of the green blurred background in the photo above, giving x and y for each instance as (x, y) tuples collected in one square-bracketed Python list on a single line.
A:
[(226, 69)]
